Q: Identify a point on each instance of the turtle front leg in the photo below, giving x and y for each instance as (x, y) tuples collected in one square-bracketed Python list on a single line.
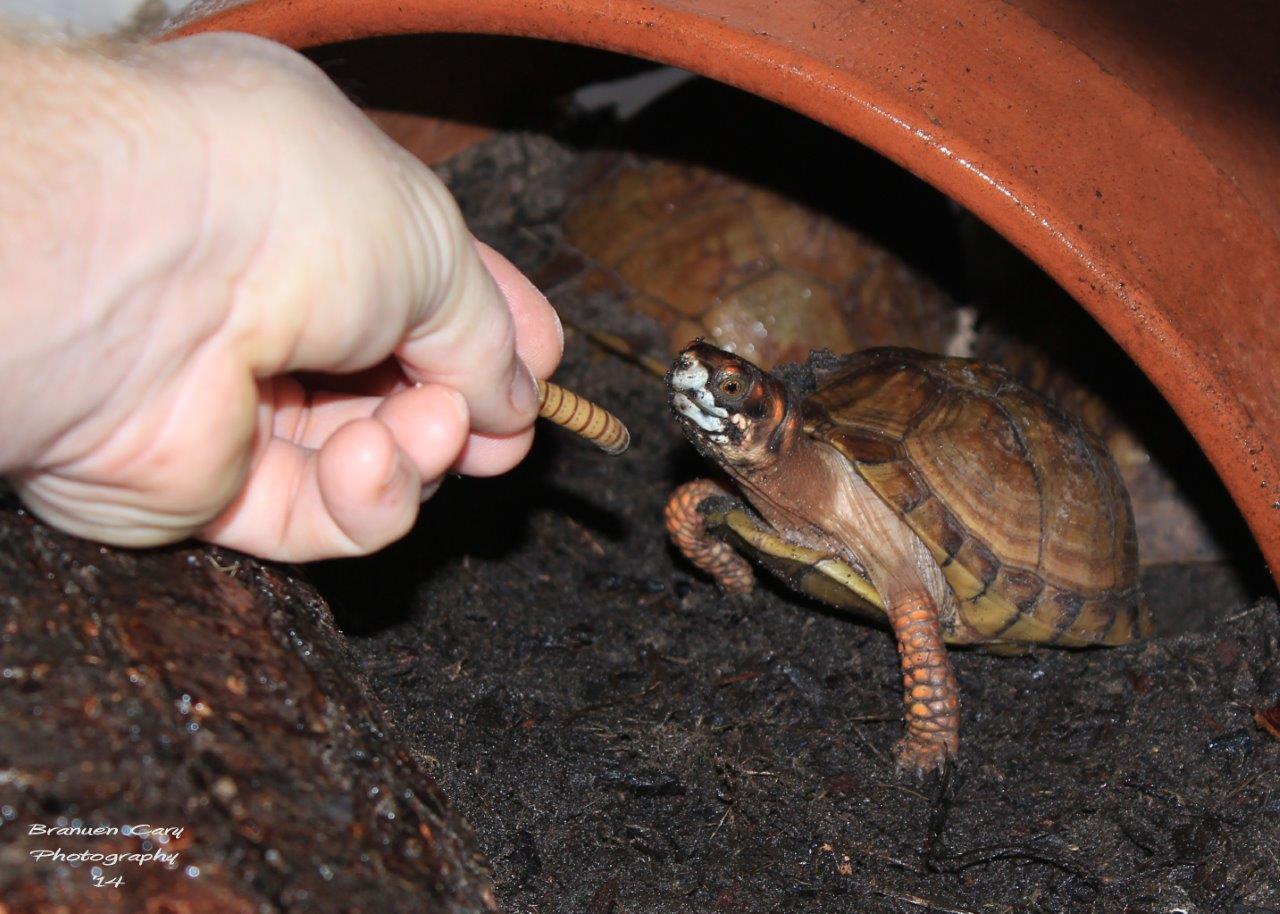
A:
[(929, 687), (686, 525)]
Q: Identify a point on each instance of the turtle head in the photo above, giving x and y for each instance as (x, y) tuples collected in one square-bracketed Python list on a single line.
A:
[(734, 413)]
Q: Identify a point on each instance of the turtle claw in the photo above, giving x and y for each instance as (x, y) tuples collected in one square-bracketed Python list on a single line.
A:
[(922, 756), (739, 586), (940, 785)]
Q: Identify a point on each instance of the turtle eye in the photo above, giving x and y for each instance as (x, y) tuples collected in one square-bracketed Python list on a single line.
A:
[(731, 384)]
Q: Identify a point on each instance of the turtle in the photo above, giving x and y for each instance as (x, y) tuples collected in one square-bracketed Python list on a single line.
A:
[(704, 254), (654, 250), (938, 492)]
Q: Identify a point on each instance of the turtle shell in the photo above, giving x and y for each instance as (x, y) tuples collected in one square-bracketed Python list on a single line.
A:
[(1021, 506), (757, 274)]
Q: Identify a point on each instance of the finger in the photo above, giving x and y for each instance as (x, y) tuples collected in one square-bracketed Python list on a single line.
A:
[(539, 333), (368, 486), (307, 417), (314, 422), (430, 425), (492, 455), (353, 496)]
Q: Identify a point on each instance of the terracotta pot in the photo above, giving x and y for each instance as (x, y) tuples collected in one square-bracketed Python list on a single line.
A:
[(1130, 152)]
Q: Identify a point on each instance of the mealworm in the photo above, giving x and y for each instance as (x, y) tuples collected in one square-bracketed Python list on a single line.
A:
[(582, 417)]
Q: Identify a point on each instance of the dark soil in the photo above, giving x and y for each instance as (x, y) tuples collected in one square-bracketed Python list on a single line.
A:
[(613, 727), (624, 738)]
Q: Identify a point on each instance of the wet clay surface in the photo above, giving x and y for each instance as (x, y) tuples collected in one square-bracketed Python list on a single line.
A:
[(623, 738)]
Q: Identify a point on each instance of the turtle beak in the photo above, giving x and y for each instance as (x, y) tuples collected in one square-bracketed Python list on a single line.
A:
[(688, 383)]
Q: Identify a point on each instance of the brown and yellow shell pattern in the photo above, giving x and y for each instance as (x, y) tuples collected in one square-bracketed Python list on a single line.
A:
[(1015, 500), (756, 274)]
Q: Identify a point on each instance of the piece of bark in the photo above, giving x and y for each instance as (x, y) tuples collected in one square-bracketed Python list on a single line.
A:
[(192, 688)]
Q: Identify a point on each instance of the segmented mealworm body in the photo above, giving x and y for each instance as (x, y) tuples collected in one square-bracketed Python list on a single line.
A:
[(582, 417)]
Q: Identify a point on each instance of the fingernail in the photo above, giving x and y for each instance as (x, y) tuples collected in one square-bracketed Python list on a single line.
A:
[(460, 405), (430, 489), (559, 329), (524, 390)]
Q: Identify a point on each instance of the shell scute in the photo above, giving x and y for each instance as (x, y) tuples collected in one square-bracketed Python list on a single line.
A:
[(759, 274), (975, 462), (882, 400), (947, 536), (1020, 505), (869, 449), (1088, 531), (974, 570), (1022, 588), (897, 483)]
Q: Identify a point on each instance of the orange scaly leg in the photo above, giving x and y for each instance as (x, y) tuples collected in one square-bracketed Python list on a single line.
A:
[(687, 527), (930, 692)]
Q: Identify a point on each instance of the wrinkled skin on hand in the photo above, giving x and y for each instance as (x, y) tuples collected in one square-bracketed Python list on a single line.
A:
[(199, 237)]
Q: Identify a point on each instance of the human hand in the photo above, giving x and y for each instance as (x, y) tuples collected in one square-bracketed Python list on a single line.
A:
[(222, 221)]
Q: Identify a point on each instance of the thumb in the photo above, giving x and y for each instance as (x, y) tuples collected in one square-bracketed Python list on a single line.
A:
[(467, 336)]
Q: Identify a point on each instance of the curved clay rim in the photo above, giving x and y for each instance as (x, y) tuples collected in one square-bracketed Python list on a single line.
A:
[(1147, 187)]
